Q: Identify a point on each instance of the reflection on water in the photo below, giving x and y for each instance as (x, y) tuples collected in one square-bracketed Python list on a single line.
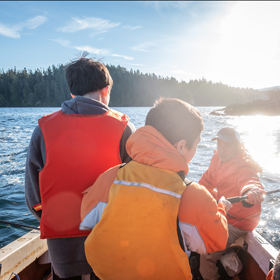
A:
[(260, 135)]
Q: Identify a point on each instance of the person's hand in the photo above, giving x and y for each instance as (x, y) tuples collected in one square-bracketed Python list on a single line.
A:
[(227, 204), (255, 195)]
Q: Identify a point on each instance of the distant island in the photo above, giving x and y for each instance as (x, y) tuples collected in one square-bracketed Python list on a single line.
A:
[(257, 107)]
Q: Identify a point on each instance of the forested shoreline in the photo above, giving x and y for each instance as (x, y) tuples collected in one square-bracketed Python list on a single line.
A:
[(48, 88)]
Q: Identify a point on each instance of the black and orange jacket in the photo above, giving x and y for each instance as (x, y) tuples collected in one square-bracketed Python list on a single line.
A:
[(133, 212)]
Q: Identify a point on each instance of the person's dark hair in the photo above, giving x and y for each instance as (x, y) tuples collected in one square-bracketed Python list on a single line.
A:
[(175, 120), (276, 268), (86, 75)]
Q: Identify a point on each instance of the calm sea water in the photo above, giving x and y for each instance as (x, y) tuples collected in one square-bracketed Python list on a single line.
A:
[(260, 134)]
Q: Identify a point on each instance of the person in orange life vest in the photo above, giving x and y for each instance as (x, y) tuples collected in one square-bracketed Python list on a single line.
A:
[(133, 209), (68, 150), (232, 172), (274, 273)]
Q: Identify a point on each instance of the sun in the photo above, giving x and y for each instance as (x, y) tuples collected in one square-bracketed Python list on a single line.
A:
[(247, 48)]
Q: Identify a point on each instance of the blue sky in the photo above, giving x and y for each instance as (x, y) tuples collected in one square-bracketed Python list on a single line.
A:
[(233, 42)]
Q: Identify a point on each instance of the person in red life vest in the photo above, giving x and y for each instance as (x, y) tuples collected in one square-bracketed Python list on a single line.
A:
[(232, 172), (67, 152), (134, 209), (274, 273)]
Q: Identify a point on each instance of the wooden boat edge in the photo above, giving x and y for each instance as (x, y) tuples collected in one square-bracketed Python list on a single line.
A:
[(19, 254), (23, 252)]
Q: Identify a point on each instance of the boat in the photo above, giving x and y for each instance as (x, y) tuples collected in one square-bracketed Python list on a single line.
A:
[(27, 258)]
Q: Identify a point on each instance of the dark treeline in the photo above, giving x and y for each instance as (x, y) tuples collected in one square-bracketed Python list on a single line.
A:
[(48, 88)]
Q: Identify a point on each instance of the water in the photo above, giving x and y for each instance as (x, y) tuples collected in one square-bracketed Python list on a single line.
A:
[(260, 134)]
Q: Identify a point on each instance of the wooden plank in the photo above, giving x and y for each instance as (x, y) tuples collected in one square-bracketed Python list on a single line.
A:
[(20, 253)]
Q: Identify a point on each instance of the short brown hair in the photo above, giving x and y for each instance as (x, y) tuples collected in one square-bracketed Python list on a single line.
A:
[(86, 75), (175, 120)]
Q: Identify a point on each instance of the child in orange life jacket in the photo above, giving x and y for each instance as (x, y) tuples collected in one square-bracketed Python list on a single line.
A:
[(133, 209)]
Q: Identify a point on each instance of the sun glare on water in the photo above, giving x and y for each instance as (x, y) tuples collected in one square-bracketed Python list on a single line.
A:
[(261, 137)]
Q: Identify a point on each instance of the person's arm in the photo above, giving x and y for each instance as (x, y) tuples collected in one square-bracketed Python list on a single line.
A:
[(202, 221), (34, 164), (251, 186), (96, 198), (129, 129), (207, 180)]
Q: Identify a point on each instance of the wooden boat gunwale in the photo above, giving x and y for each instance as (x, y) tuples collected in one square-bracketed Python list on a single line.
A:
[(22, 253)]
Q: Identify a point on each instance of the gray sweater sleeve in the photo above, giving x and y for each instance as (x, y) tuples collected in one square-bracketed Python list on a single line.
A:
[(35, 160), (129, 129)]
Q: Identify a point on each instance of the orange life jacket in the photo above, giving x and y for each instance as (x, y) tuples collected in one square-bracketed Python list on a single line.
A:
[(78, 149)]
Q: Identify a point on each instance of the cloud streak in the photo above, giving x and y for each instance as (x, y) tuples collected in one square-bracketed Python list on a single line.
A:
[(63, 43), (100, 52), (123, 56), (97, 24), (92, 50), (14, 31), (142, 47), (130, 27), (158, 5), (9, 31), (35, 22)]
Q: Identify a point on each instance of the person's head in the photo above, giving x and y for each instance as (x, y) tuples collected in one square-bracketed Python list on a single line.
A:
[(228, 143), (179, 122), (85, 75)]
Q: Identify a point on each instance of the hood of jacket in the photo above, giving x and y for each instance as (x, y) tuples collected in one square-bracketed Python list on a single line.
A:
[(83, 105), (148, 146)]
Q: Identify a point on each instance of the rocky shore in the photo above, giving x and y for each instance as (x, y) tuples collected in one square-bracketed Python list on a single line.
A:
[(257, 107)]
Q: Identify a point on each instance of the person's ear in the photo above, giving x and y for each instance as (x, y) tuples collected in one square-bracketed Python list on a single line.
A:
[(180, 146), (72, 95), (105, 91)]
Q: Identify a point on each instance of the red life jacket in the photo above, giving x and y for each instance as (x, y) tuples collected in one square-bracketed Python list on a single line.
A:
[(78, 149)]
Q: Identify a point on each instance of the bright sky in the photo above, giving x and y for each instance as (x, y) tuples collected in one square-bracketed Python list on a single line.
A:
[(233, 42)]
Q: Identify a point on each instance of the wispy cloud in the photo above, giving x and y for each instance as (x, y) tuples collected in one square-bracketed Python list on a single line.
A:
[(130, 27), (158, 5), (97, 32), (62, 42), (101, 52), (97, 24), (14, 31), (92, 50), (9, 31), (143, 47), (123, 56), (33, 23)]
